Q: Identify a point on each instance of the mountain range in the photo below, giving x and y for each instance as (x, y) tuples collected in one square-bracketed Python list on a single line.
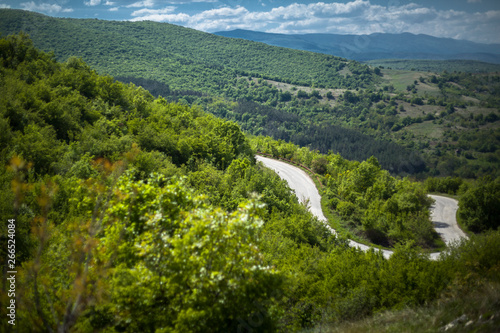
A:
[(377, 45)]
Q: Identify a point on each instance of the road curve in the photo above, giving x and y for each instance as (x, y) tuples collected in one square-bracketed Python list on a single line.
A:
[(443, 211), (443, 215)]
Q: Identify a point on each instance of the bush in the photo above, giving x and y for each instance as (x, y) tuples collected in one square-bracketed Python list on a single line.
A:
[(319, 165), (479, 207)]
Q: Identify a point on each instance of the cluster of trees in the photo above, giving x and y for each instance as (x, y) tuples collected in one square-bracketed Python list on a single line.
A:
[(381, 115), (479, 205), (138, 214), (388, 210), (109, 186), (265, 120), (179, 71), (448, 185)]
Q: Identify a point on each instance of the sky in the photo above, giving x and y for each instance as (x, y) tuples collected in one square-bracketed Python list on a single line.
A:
[(475, 20)]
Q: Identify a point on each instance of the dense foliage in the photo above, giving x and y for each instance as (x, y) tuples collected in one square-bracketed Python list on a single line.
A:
[(138, 214), (120, 187), (480, 205), (186, 65), (445, 125), (416, 123)]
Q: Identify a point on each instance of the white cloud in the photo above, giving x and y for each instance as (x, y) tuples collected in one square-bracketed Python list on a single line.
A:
[(114, 9), (147, 12), (45, 8), (98, 2), (92, 2), (474, 1), (355, 17), (2, 5), (173, 18), (188, 1), (142, 4)]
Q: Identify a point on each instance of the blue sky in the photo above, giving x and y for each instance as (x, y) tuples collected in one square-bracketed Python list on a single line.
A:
[(476, 20)]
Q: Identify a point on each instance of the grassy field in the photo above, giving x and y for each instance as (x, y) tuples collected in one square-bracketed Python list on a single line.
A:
[(400, 79), (414, 111), (427, 129)]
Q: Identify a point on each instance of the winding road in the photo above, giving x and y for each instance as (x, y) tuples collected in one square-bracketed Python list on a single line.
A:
[(443, 212)]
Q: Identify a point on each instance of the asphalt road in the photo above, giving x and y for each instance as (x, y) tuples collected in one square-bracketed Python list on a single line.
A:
[(443, 215), (443, 212)]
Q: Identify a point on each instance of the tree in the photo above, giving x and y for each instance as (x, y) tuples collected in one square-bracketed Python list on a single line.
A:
[(319, 165), (39, 146), (302, 94), (148, 256), (195, 267), (285, 96)]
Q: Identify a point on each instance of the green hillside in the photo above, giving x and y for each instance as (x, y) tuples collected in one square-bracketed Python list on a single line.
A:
[(183, 58), (128, 213), (187, 64)]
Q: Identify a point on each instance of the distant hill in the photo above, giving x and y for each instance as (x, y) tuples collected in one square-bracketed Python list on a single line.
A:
[(377, 46)]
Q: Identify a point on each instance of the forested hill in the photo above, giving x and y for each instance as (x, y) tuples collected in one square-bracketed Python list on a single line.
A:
[(181, 57)]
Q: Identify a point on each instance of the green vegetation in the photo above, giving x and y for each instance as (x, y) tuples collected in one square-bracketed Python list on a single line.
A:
[(135, 213), (447, 185), (185, 65), (109, 186), (480, 205), (470, 303)]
